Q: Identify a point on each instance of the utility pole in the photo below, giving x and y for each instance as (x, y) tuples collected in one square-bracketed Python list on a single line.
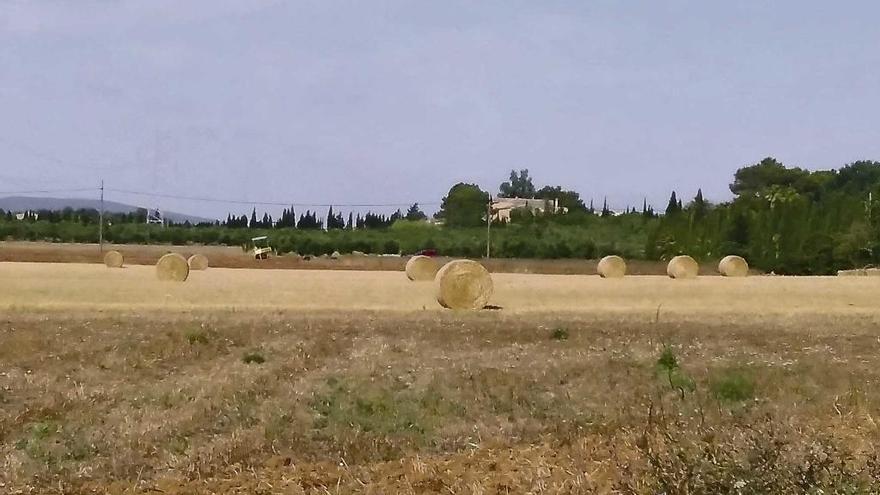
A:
[(101, 220), (488, 228)]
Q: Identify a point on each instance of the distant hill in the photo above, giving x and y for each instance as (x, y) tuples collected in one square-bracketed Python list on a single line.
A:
[(24, 203)]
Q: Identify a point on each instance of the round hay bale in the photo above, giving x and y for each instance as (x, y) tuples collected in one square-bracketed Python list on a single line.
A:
[(335, 255), (463, 284), (421, 268), (198, 262), (113, 259), (612, 267), (682, 267), (733, 266), (172, 267)]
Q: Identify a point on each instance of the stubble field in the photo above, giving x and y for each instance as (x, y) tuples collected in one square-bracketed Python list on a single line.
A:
[(261, 381)]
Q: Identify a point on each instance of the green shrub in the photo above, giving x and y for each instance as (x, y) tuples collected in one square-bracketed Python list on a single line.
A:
[(253, 358), (732, 385), (669, 367), (197, 337)]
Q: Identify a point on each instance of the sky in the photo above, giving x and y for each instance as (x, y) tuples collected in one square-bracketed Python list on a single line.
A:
[(393, 102)]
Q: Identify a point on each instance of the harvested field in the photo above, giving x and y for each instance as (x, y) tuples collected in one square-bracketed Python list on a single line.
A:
[(234, 257), (315, 382), (93, 287)]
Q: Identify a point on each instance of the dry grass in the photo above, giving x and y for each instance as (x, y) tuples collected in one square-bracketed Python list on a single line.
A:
[(111, 382), (35, 286), (384, 403)]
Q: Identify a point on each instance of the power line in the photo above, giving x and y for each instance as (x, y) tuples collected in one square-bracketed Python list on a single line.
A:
[(262, 203)]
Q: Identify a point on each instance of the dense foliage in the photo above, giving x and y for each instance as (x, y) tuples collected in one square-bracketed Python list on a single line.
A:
[(786, 220)]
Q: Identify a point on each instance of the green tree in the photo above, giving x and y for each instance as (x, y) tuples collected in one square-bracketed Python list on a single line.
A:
[(674, 205), (464, 206), (754, 179), (518, 186), (309, 221), (334, 221), (699, 206), (415, 214), (605, 211), (567, 199), (857, 177)]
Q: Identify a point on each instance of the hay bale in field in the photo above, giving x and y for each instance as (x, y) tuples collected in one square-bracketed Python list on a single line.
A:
[(114, 259), (421, 268), (682, 267), (172, 267), (198, 262), (463, 284), (612, 267), (733, 266), (358, 253), (335, 255)]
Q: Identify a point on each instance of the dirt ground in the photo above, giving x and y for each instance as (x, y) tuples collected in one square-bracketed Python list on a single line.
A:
[(235, 257), (316, 382)]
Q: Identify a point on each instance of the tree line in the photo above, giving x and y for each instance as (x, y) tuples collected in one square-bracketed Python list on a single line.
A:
[(783, 219), (310, 220)]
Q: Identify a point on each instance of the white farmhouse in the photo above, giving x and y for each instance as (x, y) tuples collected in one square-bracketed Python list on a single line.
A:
[(501, 207)]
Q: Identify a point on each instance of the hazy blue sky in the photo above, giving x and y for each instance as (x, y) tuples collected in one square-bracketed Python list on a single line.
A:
[(393, 102)]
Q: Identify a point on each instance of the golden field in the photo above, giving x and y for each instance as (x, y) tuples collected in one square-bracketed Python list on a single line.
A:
[(36, 286), (313, 382)]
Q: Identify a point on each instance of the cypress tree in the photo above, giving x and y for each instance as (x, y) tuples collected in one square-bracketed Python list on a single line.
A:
[(674, 205)]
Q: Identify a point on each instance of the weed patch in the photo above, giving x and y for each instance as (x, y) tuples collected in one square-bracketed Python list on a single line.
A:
[(253, 358), (196, 337), (732, 385), (669, 368), (373, 408)]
